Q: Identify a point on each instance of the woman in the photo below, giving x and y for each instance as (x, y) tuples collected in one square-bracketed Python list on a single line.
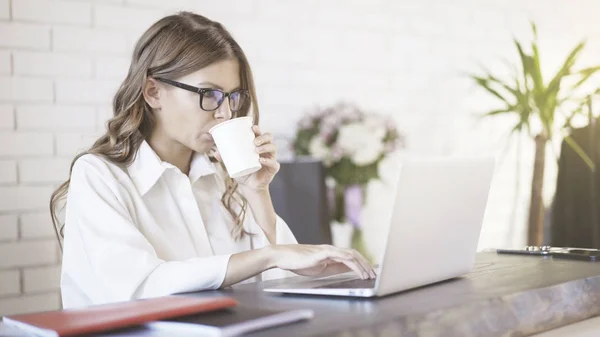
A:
[(149, 211)]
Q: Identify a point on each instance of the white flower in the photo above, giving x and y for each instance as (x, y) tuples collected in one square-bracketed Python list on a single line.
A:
[(369, 153), (376, 125), (331, 120), (360, 143), (350, 137), (347, 111), (318, 149), (336, 153)]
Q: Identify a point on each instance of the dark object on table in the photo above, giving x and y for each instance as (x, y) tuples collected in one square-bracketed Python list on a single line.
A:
[(231, 322), (575, 210), (108, 317), (299, 196), (585, 254)]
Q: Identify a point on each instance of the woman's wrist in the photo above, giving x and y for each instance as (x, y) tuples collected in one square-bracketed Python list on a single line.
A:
[(263, 211), (249, 192), (271, 256)]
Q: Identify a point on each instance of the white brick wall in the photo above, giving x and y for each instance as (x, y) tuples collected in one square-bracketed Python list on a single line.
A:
[(29, 303), (11, 283), (28, 253), (174, 4), (70, 144), (7, 117), (5, 63), (44, 170), (26, 36), (43, 279), (24, 198), (46, 11), (52, 64), (4, 9), (37, 225), (8, 229), (112, 68), (8, 172), (62, 60), (88, 40), (25, 144), (84, 91), (23, 89), (118, 16), (56, 118)]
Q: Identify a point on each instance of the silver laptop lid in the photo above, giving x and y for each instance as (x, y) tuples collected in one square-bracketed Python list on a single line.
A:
[(436, 221)]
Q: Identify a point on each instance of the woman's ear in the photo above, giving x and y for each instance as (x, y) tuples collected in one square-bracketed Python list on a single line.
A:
[(151, 93)]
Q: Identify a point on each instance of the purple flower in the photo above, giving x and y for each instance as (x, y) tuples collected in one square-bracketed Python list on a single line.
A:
[(353, 203)]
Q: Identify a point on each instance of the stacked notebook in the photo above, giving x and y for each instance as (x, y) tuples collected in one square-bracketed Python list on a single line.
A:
[(218, 316), (229, 322)]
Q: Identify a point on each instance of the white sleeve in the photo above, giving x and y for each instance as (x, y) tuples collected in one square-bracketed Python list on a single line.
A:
[(107, 255), (283, 233)]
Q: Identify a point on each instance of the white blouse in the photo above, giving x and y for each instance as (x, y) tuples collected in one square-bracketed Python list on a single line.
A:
[(149, 230)]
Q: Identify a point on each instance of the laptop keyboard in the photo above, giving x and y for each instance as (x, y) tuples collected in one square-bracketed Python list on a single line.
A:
[(351, 284)]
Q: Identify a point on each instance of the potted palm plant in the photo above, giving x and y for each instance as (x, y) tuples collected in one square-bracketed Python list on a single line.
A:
[(531, 99)]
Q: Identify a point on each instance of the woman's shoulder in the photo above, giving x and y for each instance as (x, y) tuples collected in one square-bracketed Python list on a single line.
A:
[(99, 166)]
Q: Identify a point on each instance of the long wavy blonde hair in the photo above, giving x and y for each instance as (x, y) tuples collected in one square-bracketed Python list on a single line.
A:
[(174, 46)]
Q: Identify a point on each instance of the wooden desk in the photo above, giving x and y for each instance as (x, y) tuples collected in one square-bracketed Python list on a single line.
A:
[(503, 296)]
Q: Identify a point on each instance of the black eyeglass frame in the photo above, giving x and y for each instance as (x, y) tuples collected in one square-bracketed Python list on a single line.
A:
[(202, 91)]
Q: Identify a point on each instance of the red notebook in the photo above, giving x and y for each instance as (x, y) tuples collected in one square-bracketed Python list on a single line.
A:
[(105, 317)]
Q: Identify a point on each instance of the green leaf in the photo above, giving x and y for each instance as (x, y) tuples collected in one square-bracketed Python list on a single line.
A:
[(498, 112), (585, 75), (536, 71), (302, 142), (573, 144), (345, 172), (577, 111), (517, 128), (552, 102), (484, 83), (507, 87), (565, 70), (524, 62), (589, 70)]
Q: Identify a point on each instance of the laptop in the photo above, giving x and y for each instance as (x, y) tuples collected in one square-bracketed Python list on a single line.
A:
[(433, 232)]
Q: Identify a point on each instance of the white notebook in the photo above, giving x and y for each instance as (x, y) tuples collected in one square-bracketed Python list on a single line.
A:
[(230, 322)]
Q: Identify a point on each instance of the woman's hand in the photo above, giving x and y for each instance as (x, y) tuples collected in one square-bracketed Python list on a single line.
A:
[(309, 260), (259, 181), (312, 260)]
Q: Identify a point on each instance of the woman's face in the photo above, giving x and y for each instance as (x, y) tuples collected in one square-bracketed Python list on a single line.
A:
[(180, 118)]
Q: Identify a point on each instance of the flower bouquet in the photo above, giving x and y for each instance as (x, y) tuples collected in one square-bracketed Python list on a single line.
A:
[(351, 145)]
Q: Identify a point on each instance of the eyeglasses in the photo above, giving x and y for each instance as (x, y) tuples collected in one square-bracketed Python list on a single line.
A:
[(211, 99)]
